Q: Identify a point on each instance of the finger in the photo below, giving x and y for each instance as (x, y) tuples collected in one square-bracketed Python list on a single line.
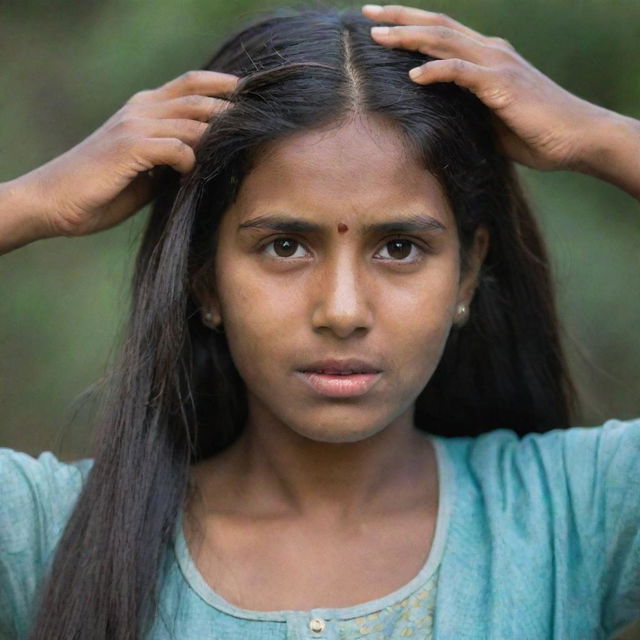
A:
[(399, 14), (440, 42), (461, 72), (202, 82), (189, 131), (135, 196), (192, 107), (510, 143), (169, 151)]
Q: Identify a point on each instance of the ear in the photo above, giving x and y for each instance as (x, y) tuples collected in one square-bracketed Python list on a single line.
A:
[(475, 257), (203, 290)]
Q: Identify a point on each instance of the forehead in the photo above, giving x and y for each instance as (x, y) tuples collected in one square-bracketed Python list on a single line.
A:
[(351, 171)]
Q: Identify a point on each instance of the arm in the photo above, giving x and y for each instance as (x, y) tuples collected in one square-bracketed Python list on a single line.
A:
[(538, 123), (614, 152), (20, 223), (104, 179)]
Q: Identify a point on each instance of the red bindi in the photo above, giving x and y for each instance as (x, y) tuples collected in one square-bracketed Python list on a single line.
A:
[(342, 228)]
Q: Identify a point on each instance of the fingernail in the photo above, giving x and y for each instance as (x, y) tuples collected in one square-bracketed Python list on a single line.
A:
[(372, 8), (380, 31), (415, 72)]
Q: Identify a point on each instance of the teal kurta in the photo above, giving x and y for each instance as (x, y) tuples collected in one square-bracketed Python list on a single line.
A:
[(537, 538)]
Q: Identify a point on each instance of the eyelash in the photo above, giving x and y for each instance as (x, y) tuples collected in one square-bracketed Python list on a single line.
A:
[(422, 251)]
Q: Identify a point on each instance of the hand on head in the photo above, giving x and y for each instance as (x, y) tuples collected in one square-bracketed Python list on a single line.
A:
[(105, 178), (539, 124)]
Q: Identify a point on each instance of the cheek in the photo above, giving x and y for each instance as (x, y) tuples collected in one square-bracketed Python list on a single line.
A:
[(266, 316), (255, 305), (253, 320), (420, 348), (417, 321)]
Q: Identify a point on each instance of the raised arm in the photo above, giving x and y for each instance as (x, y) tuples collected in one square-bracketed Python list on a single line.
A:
[(104, 179), (613, 152), (539, 124)]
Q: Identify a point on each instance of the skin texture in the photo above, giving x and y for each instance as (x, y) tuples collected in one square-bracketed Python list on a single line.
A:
[(336, 296), (314, 483)]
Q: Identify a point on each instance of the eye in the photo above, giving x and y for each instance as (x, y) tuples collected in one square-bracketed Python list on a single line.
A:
[(283, 248), (399, 249)]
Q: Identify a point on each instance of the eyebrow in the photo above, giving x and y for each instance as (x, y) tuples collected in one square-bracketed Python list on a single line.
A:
[(287, 224)]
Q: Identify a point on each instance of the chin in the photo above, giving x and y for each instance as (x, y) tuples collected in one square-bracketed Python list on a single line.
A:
[(336, 432)]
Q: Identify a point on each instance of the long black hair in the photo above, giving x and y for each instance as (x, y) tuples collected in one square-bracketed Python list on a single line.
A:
[(175, 396)]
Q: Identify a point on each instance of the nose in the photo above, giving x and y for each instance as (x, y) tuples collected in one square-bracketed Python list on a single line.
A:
[(342, 300)]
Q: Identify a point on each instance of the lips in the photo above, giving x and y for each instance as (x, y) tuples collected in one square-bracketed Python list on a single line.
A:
[(340, 378), (349, 366), (336, 373)]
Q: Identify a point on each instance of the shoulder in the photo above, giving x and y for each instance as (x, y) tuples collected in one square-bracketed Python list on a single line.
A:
[(565, 504), (580, 479), (37, 495), (560, 454), (578, 489)]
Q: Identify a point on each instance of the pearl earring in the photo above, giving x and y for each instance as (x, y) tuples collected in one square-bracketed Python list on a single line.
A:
[(462, 314), (208, 320)]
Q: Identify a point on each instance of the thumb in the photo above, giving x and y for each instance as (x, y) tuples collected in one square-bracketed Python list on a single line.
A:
[(511, 145), (131, 199)]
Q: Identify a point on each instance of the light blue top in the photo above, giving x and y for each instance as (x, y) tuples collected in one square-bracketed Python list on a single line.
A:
[(537, 538)]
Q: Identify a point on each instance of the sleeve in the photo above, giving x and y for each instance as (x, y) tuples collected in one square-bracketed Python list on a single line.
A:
[(598, 509), (608, 495), (36, 499)]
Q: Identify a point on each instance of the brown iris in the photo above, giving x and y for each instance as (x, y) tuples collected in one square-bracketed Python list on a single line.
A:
[(285, 247), (399, 249)]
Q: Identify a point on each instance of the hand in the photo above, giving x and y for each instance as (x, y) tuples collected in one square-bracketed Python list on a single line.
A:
[(104, 180), (538, 123)]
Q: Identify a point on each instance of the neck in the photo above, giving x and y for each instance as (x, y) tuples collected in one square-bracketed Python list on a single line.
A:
[(273, 470)]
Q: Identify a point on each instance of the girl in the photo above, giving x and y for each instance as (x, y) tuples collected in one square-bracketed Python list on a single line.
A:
[(341, 409)]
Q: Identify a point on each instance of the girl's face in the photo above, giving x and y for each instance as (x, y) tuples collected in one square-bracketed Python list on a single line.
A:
[(339, 247)]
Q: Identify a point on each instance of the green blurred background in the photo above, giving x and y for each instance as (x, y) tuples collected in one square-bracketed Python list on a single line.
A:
[(68, 65)]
